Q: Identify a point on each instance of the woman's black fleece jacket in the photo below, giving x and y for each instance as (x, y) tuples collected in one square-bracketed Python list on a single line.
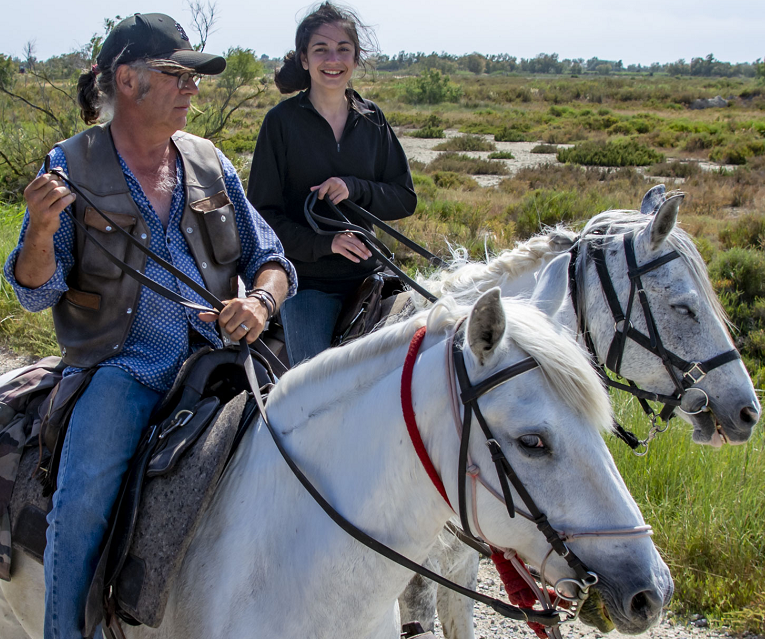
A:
[(296, 150)]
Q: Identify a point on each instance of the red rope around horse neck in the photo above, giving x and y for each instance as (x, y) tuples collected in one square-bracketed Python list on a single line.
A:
[(408, 407)]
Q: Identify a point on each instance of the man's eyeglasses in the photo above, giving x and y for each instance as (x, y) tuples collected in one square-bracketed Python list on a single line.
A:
[(184, 79)]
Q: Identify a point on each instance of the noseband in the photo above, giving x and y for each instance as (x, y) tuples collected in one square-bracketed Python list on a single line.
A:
[(692, 372)]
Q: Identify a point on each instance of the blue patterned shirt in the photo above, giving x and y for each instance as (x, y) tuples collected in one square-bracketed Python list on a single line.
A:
[(158, 341)]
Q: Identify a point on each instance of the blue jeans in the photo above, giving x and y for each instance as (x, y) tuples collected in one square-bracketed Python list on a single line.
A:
[(104, 431), (309, 319)]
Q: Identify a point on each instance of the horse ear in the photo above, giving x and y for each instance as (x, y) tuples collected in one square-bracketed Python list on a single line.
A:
[(486, 324), (653, 199), (664, 221), (552, 286)]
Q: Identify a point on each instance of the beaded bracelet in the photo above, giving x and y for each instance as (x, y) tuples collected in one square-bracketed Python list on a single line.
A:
[(265, 298)]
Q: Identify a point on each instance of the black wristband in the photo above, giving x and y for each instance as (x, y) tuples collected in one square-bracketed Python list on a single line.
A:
[(265, 298)]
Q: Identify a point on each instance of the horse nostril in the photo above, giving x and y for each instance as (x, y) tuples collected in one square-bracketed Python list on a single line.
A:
[(749, 415), (645, 604)]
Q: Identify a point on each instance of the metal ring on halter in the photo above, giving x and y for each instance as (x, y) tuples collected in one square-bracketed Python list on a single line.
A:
[(705, 407), (616, 325), (583, 587)]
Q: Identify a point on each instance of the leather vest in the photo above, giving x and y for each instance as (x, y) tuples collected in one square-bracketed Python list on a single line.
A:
[(94, 317)]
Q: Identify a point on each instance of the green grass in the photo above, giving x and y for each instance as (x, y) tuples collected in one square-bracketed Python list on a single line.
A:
[(30, 333), (707, 510), (501, 155)]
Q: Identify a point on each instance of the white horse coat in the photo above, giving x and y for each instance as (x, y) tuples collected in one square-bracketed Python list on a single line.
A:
[(268, 562)]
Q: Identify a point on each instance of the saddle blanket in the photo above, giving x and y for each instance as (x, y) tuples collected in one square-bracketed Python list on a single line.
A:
[(171, 508)]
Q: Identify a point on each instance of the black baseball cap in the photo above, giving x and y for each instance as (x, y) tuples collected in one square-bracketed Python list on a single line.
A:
[(155, 36)]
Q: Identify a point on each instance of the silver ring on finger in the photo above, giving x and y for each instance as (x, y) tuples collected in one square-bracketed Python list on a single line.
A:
[(245, 327)]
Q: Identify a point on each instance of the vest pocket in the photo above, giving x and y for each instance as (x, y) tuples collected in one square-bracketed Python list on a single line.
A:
[(94, 262), (219, 222)]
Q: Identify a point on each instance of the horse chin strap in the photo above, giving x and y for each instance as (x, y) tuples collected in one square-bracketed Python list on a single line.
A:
[(691, 373)]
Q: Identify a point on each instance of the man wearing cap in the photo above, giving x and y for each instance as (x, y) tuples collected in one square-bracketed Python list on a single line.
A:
[(180, 196)]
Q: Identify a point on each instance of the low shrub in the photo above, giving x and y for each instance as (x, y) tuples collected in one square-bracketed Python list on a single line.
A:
[(427, 132), (748, 232), (432, 87), (466, 143), (501, 155), (675, 169), (545, 148), (452, 180), (508, 134), (592, 153), (460, 163)]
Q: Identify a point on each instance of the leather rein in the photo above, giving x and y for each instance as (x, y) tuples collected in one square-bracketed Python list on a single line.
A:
[(691, 372)]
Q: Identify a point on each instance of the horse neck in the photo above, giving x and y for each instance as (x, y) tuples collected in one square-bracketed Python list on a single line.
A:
[(352, 422)]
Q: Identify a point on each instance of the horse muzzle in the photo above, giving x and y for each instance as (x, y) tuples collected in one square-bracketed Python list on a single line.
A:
[(716, 423), (632, 607)]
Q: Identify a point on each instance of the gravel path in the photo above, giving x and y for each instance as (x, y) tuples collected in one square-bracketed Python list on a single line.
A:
[(491, 625)]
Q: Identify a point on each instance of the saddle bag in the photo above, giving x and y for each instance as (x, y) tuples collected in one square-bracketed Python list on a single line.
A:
[(363, 309)]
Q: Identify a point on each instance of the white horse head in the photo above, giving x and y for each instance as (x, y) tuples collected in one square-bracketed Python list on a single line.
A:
[(689, 320)]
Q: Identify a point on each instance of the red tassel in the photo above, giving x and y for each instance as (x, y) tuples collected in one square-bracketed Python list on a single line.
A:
[(519, 593)]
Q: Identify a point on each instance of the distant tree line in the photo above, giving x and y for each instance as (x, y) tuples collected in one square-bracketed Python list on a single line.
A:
[(549, 63), (70, 64)]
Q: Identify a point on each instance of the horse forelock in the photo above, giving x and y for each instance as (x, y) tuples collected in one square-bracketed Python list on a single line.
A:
[(612, 225), (563, 362)]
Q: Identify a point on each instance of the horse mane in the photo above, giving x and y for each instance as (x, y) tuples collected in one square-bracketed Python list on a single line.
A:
[(610, 225), (467, 281), (562, 361)]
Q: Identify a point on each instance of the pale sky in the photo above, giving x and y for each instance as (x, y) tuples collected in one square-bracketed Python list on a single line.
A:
[(635, 32)]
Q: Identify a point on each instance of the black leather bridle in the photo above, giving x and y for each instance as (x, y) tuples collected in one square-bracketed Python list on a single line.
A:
[(469, 396), (691, 372)]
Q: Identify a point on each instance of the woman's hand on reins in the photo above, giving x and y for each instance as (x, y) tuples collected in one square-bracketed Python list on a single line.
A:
[(350, 247), (241, 317), (334, 188)]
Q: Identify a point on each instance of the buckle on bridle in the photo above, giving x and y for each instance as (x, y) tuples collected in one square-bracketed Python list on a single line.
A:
[(625, 324), (694, 374)]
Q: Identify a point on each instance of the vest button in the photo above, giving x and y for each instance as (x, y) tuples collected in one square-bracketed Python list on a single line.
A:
[(115, 347), (222, 218), (63, 351), (143, 236), (130, 310), (204, 264), (108, 228), (189, 229)]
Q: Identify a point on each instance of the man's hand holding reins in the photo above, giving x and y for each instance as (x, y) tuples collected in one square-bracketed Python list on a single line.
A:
[(47, 196), (241, 317)]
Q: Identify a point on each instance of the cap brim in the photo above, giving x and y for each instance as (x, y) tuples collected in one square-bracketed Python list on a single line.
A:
[(205, 63)]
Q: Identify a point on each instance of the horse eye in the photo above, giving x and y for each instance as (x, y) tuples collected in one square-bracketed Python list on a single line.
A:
[(531, 441), (684, 310)]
